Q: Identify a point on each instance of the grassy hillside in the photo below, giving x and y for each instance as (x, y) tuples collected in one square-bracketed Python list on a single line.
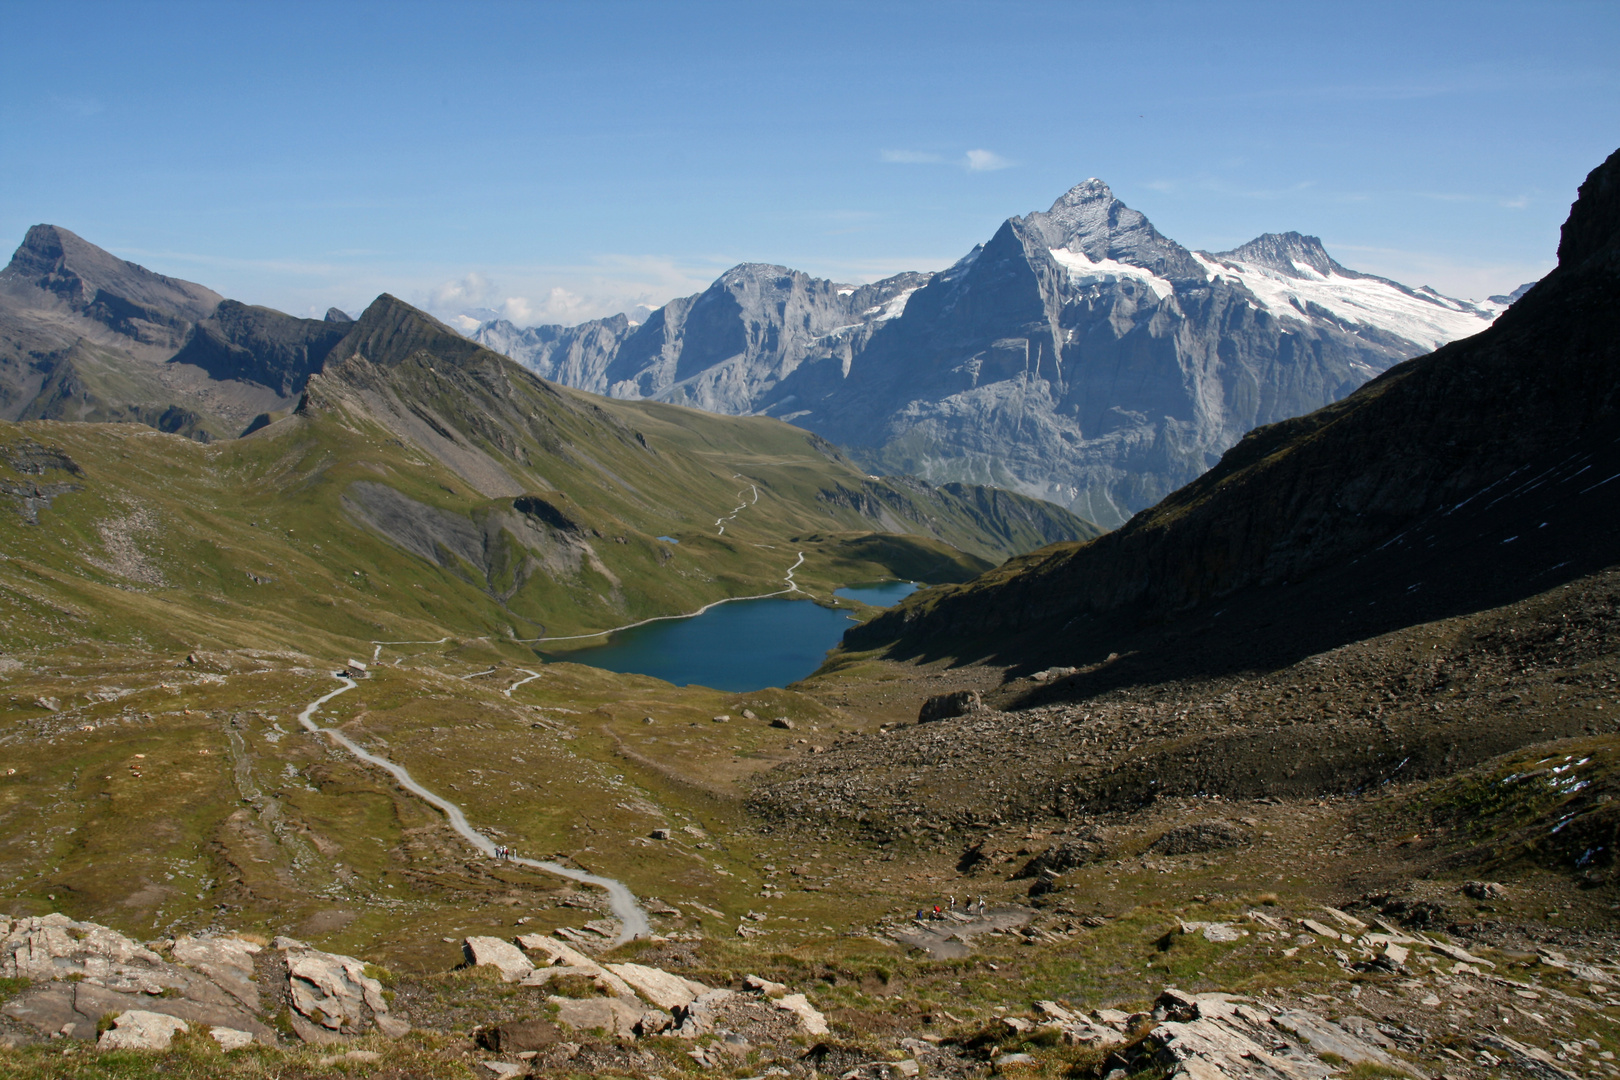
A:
[(433, 488)]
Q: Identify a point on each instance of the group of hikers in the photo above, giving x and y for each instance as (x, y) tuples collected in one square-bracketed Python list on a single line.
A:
[(503, 852), (939, 912)]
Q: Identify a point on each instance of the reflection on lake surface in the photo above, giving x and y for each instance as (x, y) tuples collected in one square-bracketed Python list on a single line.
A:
[(880, 595), (747, 645)]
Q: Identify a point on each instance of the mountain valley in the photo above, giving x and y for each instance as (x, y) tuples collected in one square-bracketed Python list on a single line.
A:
[(1306, 770)]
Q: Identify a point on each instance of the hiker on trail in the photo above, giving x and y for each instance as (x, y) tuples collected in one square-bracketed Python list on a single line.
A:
[(981, 905), (953, 901)]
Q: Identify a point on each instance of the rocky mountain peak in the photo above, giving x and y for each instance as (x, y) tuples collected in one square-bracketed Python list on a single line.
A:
[(1594, 219), (746, 273), (1508, 299), (58, 261), (1087, 219), (390, 331), (1287, 253)]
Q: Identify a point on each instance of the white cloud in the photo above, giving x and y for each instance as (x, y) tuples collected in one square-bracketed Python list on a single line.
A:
[(473, 290), (538, 295), (986, 161), (910, 157)]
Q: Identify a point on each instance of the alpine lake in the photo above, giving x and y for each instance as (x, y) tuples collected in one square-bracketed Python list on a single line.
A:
[(739, 646)]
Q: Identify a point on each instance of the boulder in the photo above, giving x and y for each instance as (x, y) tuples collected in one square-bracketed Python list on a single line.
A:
[(518, 1036), (94, 1002), (1459, 954), (227, 961), (813, 1022), (946, 706), (140, 1030), (330, 992), (698, 1017), (1213, 931), (502, 955), (230, 1039), (657, 986), (604, 980), (1484, 890), (1320, 928), (613, 1015), (765, 986), (1205, 1036), (654, 1022), (55, 947), (782, 722), (553, 953), (1087, 845), (549, 950), (48, 1009)]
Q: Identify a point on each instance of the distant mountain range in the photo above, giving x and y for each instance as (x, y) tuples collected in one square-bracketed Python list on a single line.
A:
[(1079, 355), (553, 506)]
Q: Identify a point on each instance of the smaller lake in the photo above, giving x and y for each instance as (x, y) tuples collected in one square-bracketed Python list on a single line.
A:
[(881, 595), (737, 647)]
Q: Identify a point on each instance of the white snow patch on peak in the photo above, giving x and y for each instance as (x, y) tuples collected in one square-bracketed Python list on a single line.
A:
[(846, 292), (960, 266), (893, 309), (1083, 269), (1422, 315), (897, 307)]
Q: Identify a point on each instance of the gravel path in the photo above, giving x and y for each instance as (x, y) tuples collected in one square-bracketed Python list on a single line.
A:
[(632, 917)]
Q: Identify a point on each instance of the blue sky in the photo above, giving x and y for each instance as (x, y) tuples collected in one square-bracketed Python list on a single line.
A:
[(561, 161)]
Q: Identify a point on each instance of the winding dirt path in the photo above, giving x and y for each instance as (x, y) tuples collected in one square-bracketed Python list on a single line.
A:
[(632, 917), (532, 675), (745, 504)]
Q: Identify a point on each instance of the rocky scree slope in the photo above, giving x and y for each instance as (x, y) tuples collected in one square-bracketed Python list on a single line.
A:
[(1471, 477), (1079, 356), (87, 336)]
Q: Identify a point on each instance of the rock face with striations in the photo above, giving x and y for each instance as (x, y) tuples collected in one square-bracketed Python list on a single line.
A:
[(727, 349), (1079, 356)]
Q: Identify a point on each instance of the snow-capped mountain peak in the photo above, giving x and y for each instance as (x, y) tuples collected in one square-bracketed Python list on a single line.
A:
[(1293, 277), (1291, 254), (1088, 220)]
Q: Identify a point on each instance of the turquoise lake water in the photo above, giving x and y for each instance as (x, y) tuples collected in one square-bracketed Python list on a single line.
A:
[(738, 647)]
